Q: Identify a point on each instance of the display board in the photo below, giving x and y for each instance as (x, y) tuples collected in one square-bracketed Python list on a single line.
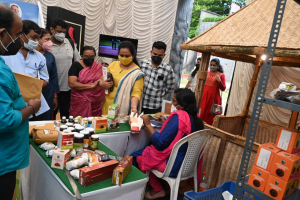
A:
[(24, 10), (76, 24)]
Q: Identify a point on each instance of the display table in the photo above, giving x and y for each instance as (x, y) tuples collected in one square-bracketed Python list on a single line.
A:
[(120, 141), (39, 181)]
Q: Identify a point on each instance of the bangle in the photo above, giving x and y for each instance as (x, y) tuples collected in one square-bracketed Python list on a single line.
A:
[(55, 96), (32, 108)]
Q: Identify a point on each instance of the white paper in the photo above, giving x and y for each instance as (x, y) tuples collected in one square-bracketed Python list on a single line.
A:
[(264, 158), (284, 139), (227, 195), (104, 71)]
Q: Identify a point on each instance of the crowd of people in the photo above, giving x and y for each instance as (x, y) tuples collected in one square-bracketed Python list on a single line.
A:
[(73, 84)]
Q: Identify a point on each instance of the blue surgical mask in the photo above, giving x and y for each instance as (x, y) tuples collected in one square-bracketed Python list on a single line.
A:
[(31, 45)]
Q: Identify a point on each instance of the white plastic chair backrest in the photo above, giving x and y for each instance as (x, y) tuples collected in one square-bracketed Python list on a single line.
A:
[(196, 142)]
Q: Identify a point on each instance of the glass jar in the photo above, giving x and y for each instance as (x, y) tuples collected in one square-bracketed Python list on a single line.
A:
[(63, 120), (86, 139), (71, 119), (92, 132), (76, 122), (63, 127), (72, 129), (78, 141), (79, 128), (70, 124), (94, 142)]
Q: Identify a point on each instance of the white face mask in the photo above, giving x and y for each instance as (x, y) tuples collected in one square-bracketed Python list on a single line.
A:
[(174, 108), (60, 37)]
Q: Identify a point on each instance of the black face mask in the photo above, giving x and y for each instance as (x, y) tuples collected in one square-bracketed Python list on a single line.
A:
[(156, 59), (88, 61), (13, 48), (197, 66)]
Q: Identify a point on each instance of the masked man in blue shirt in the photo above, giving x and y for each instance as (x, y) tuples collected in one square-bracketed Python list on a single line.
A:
[(14, 114), (29, 61)]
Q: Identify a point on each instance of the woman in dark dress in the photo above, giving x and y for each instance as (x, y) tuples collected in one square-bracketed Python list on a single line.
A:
[(49, 92)]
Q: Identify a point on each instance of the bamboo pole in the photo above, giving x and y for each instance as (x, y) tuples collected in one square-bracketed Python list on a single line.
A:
[(202, 74), (252, 85)]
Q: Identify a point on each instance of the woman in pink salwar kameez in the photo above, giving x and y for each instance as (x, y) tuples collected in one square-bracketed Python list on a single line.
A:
[(87, 85)]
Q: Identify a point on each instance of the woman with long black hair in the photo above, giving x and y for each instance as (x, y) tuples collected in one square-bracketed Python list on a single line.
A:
[(215, 82), (181, 122)]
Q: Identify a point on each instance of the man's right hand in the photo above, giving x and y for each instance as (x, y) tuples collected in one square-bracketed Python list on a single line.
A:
[(36, 103)]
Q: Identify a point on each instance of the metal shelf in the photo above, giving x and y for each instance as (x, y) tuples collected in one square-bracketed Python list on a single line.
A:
[(282, 104)]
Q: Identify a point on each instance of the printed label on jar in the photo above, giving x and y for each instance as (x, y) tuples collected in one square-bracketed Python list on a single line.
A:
[(78, 146), (94, 144), (86, 143)]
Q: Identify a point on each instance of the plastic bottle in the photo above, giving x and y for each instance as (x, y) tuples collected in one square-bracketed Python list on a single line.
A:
[(203, 184)]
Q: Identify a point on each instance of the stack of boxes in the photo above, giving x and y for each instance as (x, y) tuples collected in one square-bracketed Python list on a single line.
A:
[(113, 120), (276, 170)]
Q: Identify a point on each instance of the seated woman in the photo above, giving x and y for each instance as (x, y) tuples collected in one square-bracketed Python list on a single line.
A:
[(87, 85), (128, 81), (179, 124)]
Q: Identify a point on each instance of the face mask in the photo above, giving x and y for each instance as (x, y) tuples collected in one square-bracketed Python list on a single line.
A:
[(214, 69), (13, 47), (174, 108), (197, 66), (60, 37), (125, 61), (88, 61), (31, 45), (47, 46), (156, 59)]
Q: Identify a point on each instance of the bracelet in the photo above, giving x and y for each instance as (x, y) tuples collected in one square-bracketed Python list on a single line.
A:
[(55, 96), (32, 108)]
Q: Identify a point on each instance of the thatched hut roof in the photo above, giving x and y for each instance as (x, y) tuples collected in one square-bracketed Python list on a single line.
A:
[(245, 34)]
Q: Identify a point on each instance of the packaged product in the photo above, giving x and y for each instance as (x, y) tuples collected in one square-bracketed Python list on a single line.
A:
[(99, 124), (288, 140), (96, 172), (122, 170), (287, 86), (65, 140), (258, 178), (40, 136), (265, 156), (46, 126), (73, 153), (50, 152), (294, 99), (60, 158), (279, 189), (77, 162), (75, 173), (113, 110), (113, 124), (47, 145), (136, 123), (106, 157), (285, 166)]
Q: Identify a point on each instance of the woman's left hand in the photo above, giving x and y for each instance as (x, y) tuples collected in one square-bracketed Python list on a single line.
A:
[(218, 78), (146, 120), (105, 84)]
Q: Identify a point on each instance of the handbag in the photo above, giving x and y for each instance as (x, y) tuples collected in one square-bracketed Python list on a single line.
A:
[(30, 87), (216, 109)]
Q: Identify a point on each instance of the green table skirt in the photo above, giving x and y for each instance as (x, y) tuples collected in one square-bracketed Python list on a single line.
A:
[(134, 175)]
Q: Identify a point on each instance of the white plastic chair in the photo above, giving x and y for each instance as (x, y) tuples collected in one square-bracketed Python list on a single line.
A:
[(196, 142)]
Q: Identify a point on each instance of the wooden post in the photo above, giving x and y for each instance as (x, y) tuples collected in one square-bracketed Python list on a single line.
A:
[(202, 74), (293, 120), (252, 85)]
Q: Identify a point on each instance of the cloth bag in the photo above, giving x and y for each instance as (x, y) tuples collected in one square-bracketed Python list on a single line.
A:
[(40, 136), (30, 87)]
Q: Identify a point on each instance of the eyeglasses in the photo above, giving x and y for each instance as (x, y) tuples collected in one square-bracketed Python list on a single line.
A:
[(87, 57)]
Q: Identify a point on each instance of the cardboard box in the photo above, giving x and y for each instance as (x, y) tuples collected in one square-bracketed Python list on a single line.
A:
[(136, 123), (113, 124), (99, 124), (113, 111), (288, 140), (46, 126), (258, 178), (285, 166), (97, 172), (265, 156), (279, 189), (122, 170), (60, 157), (65, 139)]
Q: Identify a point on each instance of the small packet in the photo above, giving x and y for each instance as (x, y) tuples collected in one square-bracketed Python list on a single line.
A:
[(49, 152), (73, 153), (77, 162), (47, 146), (294, 99), (75, 173)]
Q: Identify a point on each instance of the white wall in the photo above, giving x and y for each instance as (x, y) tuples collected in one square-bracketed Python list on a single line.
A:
[(145, 20)]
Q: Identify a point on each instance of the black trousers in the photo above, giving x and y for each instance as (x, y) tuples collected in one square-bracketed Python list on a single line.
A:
[(7, 185), (64, 99), (151, 111)]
